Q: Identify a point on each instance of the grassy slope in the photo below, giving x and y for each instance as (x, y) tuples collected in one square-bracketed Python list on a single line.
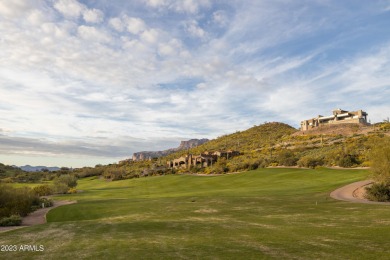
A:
[(267, 213)]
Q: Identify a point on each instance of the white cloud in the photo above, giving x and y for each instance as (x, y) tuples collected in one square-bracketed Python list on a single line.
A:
[(97, 74), (367, 72), (194, 30), (190, 6), (135, 25), (156, 3), (69, 8), (173, 47), (220, 18), (55, 30), (288, 98), (12, 8), (150, 36), (117, 24), (93, 16), (37, 17), (184, 6), (92, 34)]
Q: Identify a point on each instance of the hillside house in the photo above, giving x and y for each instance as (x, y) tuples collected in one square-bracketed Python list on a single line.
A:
[(339, 117), (203, 160)]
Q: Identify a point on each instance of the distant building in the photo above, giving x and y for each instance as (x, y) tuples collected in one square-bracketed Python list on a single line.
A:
[(339, 117), (203, 160)]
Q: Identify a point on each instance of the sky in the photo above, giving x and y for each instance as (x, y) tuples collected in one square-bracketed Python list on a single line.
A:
[(86, 82)]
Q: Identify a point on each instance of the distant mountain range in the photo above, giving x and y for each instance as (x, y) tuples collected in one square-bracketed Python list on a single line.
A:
[(29, 168), (156, 154)]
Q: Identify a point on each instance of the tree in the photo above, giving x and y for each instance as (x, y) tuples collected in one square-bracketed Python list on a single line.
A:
[(68, 180), (380, 160), (221, 165), (287, 158)]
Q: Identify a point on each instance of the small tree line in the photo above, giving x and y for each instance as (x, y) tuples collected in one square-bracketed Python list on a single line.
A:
[(16, 203)]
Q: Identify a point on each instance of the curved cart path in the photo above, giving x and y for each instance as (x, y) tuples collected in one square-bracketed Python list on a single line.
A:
[(354, 192), (38, 217)]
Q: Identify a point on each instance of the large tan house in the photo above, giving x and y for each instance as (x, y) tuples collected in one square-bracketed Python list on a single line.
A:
[(203, 160), (339, 117)]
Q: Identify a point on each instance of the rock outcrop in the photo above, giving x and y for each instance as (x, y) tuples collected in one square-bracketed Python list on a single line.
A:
[(156, 154)]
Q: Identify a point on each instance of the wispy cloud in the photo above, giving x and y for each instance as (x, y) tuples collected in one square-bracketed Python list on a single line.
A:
[(160, 70)]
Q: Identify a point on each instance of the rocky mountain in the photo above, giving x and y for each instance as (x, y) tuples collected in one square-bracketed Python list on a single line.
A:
[(156, 154)]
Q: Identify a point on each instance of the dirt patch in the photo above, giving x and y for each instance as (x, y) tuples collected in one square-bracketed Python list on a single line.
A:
[(38, 217), (206, 211), (344, 168)]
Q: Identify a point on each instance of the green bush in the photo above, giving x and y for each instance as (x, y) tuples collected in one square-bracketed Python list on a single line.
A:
[(67, 179), (13, 220), (380, 159), (378, 192), (16, 201), (347, 160), (72, 191), (47, 202), (310, 162), (43, 190), (61, 188), (254, 166), (287, 158)]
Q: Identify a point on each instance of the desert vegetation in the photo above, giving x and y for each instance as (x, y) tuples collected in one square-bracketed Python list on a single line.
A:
[(380, 168), (16, 203), (268, 144)]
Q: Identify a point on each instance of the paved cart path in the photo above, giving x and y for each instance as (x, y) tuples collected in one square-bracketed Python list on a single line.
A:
[(37, 217), (355, 192)]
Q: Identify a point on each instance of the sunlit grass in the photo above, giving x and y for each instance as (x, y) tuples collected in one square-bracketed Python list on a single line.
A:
[(267, 213)]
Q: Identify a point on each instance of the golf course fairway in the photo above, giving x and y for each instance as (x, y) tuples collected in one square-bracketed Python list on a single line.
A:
[(260, 214)]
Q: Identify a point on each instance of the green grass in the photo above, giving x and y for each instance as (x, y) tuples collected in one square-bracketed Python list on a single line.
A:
[(267, 213)]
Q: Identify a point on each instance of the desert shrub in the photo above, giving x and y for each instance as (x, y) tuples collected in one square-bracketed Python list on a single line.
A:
[(385, 126), (16, 201), (72, 190), (43, 190), (333, 156), (117, 173), (347, 160), (310, 162), (13, 220), (220, 166), (254, 166), (88, 172), (378, 192), (287, 158), (7, 180), (263, 162), (67, 179), (380, 159), (46, 202), (60, 188)]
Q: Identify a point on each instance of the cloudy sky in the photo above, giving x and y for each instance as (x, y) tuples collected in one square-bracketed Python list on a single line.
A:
[(84, 82)]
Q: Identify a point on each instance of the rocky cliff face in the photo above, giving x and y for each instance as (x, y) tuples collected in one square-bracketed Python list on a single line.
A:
[(191, 143), (156, 154)]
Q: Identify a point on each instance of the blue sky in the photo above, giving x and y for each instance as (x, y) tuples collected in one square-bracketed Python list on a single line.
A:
[(88, 82)]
